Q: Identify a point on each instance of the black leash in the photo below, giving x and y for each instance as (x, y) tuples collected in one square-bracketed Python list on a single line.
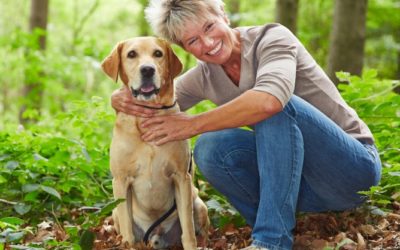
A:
[(166, 215), (158, 222)]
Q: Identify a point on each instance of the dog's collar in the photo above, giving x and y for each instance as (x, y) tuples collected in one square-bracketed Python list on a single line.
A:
[(162, 107)]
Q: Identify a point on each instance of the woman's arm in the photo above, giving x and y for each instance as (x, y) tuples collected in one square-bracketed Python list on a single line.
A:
[(247, 109)]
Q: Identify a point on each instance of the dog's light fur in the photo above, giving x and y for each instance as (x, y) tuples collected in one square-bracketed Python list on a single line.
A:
[(156, 174)]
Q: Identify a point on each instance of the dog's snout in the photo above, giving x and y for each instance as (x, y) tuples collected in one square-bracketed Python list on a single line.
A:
[(147, 71)]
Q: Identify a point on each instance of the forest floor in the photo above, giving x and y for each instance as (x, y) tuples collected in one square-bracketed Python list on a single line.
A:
[(349, 230)]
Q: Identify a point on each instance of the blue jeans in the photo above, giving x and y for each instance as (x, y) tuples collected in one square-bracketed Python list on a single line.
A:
[(297, 160)]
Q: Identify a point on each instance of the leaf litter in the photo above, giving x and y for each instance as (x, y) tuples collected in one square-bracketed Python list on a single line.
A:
[(351, 230)]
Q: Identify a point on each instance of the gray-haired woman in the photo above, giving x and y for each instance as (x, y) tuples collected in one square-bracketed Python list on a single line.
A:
[(308, 150)]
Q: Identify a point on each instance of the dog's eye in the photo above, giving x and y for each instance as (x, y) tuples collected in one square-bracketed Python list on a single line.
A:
[(158, 53), (132, 54)]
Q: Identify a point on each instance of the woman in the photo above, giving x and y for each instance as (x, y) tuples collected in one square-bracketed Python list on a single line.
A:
[(308, 150)]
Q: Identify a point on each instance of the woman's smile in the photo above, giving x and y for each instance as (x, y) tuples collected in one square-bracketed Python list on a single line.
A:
[(216, 50)]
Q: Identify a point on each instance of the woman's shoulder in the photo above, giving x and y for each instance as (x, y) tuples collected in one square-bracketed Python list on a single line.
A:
[(261, 30), (263, 36)]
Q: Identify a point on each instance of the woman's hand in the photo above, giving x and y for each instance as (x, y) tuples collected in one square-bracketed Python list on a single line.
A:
[(123, 101), (165, 128)]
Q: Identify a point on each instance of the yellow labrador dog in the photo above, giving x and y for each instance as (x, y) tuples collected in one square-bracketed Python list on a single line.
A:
[(154, 180)]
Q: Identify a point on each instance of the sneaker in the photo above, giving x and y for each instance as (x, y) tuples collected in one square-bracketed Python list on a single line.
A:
[(254, 248)]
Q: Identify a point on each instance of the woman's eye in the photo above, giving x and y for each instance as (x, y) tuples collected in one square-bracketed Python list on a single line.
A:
[(191, 42), (158, 53), (132, 54), (209, 26)]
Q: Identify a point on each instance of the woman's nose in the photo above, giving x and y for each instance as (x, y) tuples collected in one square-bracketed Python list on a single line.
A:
[(208, 41)]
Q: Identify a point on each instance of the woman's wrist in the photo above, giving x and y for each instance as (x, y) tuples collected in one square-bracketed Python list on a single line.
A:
[(198, 124)]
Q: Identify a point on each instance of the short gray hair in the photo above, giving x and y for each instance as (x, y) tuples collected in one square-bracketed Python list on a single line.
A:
[(167, 17)]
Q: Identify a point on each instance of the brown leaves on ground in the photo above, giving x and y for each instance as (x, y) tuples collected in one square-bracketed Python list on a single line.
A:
[(348, 231), (355, 230)]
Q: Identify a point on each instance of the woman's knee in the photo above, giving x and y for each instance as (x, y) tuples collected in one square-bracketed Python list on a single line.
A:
[(205, 145), (213, 148)]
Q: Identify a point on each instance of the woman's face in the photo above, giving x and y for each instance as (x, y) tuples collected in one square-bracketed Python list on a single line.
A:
[(210, 40)]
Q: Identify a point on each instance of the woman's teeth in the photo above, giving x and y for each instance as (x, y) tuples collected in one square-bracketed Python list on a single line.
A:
[(215, 50)]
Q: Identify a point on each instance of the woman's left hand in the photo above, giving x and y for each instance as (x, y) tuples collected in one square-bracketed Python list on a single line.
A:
[(165, 128)]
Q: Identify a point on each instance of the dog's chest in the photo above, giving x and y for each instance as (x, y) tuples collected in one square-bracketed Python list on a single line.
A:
[(150, 167), (153, 188)]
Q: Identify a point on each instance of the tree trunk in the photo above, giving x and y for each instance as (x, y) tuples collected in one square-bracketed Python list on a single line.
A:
[(38, 19), (347, 39), (397, 39), (33, 90), (286, 13)]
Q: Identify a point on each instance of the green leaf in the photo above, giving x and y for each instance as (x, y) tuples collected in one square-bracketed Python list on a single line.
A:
[(369, 74), (22, 208), (32, 196), (51, 191), (72, 231), (12, 237), (11, 165), (343, 76), (39, 157), (109, 207), (27, 188), (377, 211), (86, 154), (12, 220), (214, 204), (394, 173), (87, 239), (2, 179), (344, 242)]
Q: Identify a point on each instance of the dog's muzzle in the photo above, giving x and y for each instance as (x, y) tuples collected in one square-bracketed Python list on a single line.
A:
[(147, 88)]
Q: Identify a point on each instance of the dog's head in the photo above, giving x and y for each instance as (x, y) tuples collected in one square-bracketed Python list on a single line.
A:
[(147, 65)]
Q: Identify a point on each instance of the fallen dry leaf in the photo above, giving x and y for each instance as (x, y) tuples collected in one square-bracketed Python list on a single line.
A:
[(352, 230)]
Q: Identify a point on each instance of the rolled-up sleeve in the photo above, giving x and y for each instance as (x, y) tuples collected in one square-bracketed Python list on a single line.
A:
[(276, 68)]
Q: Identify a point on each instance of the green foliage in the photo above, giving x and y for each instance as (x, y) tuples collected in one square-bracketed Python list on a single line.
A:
[(57, 164), (377, 104), (12, 230), (383, 37), (314, 27), (221, 213)]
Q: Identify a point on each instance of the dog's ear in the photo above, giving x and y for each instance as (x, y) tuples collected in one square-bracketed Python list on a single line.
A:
[(111, 63), (175, 65), (174, 62)]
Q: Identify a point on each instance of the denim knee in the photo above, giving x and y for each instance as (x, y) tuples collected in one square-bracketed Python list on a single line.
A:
[(202, 155), (212, 149)]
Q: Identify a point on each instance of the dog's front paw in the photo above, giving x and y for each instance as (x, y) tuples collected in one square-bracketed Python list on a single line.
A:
[(189, 245), (128, 239)]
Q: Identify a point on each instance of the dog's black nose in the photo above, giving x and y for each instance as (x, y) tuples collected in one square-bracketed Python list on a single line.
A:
[(147, 71)]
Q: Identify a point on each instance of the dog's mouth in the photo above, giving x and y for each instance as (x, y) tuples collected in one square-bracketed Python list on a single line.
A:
[(145, 90)]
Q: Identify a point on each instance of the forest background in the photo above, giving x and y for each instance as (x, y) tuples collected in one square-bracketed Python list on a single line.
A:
[(56, 120)]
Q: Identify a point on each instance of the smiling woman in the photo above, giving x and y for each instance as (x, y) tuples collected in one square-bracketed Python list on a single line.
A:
[(306, 142)]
